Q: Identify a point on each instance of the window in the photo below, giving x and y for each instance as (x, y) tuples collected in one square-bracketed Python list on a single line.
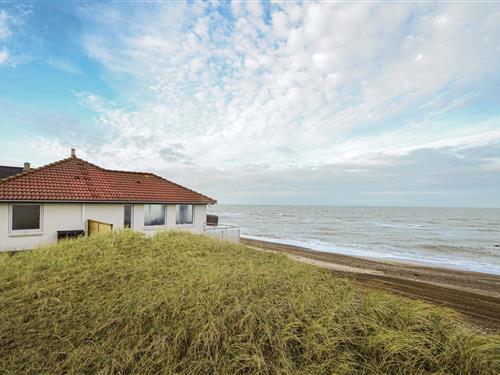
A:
[(184, 214), (26, 217), (154, 214), (127, 216)]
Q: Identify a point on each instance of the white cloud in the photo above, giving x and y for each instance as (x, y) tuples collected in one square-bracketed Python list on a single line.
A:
[(4, 34), (327, 82), (4, 28), (11, 28), (4, 55), (280, 24), (255, 8)]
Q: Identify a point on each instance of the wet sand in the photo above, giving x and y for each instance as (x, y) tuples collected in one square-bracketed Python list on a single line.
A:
[(474, 294)]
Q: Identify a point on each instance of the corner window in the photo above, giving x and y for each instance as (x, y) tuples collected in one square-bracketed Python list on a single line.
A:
[(127, 216), (184, 214), (26, 217), (154, 214)]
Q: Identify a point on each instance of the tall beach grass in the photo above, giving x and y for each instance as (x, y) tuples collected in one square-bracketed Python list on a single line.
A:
[(185, 304)]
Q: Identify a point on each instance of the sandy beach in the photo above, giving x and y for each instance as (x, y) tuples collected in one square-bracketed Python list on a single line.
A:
[(474, 294)]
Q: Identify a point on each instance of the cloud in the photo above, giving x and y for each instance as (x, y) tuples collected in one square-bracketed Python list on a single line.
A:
[(4, 55), (4, 34), (64, 65), (291, 88), (436, 177), (4, 27), (174, 153), (62, 130), (12, 22)]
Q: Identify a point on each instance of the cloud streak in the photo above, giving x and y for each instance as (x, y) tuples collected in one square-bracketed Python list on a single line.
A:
[(4, 34), (64, 65)]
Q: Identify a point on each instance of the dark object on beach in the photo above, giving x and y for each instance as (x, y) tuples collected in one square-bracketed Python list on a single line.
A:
[(63, 234), (496, 245), (212, 220)]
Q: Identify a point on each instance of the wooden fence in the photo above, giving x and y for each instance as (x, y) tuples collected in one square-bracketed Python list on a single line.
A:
[(94, 227)]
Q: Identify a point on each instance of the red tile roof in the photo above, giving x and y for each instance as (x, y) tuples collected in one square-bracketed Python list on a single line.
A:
[(74, 179)]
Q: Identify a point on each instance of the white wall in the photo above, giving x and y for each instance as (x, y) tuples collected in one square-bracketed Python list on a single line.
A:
[(73, 216), (105, 212), (55, 217)]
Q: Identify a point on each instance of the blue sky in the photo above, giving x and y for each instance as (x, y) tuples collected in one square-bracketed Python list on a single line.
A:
[(371, 103)]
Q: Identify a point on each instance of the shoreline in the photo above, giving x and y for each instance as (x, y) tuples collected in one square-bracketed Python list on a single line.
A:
[(442, 264), (474, 294)]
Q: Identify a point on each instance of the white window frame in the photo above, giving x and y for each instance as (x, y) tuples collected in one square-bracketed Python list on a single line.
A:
[(189, 224), (146, 227), (25, 232), (131, 216)]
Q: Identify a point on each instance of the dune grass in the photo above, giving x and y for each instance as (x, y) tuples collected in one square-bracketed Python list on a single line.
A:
[(185, 304)]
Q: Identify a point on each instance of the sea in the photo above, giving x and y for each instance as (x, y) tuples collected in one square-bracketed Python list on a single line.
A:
[(458, 238)]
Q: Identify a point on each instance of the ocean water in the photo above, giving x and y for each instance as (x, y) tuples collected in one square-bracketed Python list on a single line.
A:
[(460, 238)]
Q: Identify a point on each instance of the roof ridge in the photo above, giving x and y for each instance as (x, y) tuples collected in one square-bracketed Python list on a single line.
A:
[(113, 170), (24, 173), (120, 171)]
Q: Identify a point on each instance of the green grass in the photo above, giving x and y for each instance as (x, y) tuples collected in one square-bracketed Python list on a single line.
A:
[(180, 303)]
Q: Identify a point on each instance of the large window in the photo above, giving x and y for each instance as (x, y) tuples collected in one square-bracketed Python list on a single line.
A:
[(154, 214), (26, 217), (127, 216), (184, 214)]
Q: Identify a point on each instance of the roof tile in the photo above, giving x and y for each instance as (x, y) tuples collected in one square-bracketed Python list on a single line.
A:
[(74, 179)]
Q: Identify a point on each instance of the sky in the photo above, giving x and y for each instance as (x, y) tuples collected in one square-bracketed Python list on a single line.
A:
[(334, 103)]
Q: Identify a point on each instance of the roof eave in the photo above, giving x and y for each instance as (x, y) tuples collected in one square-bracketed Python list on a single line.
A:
[(103, 201)]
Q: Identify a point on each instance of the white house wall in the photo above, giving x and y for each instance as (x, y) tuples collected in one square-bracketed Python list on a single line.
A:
[(60, 216), (106, 213), (200, 217), (73, 216)]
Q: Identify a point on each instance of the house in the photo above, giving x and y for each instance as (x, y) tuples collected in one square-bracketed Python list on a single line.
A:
[(6, 171), (74, 195)]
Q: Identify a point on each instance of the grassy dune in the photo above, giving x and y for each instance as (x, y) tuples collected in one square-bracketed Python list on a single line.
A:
[(179, 303)]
